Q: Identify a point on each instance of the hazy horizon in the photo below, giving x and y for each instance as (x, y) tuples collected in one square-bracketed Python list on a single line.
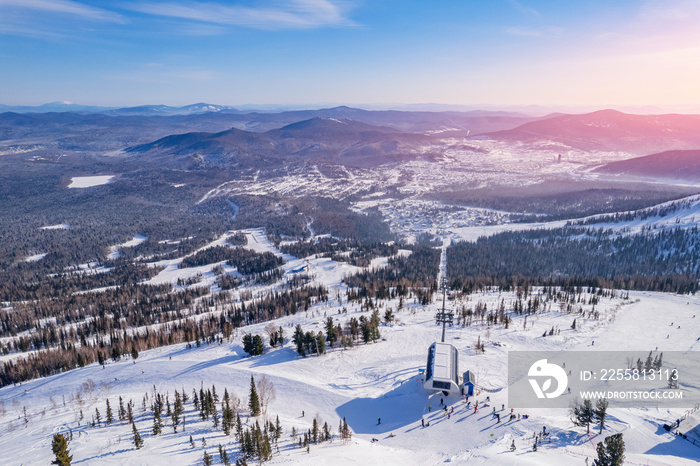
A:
[(283, 52)]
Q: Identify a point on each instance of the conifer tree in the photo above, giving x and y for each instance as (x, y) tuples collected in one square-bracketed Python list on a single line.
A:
[(239, 428), (583, 415), (97, 416), (109, 413), (612, 453), (299, 340), (673, 379), (330, 331), (207, 459), (347, 434), (601, 406), (278, 429), (60, 449), (254, 402), (138, 441), (326, 432), (157, 426), (320, 343), (122, 411), (129, 412)]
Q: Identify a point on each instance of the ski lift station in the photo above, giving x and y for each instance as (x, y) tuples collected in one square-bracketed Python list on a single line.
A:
[(442, 370)]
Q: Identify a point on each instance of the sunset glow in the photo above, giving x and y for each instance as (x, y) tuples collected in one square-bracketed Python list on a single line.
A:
[(314, 52)]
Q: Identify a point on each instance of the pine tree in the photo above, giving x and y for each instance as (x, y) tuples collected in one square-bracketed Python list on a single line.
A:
[(601, 406), (109, 413), (157, 425), (225, 459), (649, 363), (207, 459), (192, 442), (138, 441), (330, 331), (97, 416), (239, 428), (134, 353), (259, 346), (314, 431), (254, 402), (129, 412), (388, 316), (60, 449), (122, 411), (347, 434), (673, 379), (320, 343), (583, 415), (299, 340), (612, 453), (278, 429)]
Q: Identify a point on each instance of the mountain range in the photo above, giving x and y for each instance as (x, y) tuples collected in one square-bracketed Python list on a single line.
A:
[(318, 139), (610, 130), (675, 164)]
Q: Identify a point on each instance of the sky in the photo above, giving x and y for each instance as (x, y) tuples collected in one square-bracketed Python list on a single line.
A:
[(352, 52)]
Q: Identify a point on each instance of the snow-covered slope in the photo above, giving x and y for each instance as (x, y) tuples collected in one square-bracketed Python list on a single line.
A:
[(362, 384)]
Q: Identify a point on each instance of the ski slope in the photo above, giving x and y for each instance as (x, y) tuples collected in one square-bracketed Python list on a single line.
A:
[(362, 384)]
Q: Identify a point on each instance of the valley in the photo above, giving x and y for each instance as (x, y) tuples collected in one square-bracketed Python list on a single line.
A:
[(135, 258)]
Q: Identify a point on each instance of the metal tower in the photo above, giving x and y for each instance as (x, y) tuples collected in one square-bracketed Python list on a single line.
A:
[(445, 316)]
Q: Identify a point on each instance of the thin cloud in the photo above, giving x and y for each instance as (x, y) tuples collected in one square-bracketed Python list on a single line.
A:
[(67, 7), (291, 14), (529, 32), (524, 9)]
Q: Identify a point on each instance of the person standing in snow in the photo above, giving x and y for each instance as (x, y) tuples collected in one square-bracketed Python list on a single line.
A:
[(379, 420)]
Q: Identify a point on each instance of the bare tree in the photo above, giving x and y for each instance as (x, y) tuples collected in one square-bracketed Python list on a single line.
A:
[(266, 392)]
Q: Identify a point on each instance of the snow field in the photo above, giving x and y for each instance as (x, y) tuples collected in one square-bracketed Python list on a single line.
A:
[(89, 181), (360, 384)]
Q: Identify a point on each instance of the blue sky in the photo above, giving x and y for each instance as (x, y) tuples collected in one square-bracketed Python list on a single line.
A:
[(499, 52)]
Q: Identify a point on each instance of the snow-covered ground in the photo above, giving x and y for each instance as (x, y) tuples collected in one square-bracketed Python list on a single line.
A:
[(60, 226), (35, 257), (89, 181), (379, 380), (135, 241), (362, 384)]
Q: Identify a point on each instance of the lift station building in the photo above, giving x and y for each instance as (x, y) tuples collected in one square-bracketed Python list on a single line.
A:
[(442, 371)]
